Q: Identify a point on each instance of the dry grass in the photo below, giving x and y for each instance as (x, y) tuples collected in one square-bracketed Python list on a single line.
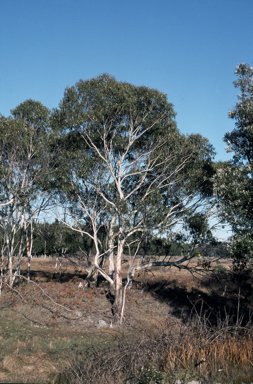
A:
[(175, 325), (209, 354)]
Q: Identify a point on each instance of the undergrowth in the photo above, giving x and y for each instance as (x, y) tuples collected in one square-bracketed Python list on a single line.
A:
[(199, 349)]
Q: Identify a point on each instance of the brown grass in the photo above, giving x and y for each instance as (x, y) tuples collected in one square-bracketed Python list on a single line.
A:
[(209, 355), (181, 326)]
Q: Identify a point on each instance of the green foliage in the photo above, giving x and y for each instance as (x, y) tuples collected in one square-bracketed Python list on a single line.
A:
[(149, 376), (242, 250), (219, 270), (234, 180), (103, 126), (240, 140), (218, 250), (24, 166), (24, 148), (198, 229), (51, 238), (34, 113)]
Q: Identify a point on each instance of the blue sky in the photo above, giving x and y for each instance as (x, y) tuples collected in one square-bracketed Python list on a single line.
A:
[(187, 49)]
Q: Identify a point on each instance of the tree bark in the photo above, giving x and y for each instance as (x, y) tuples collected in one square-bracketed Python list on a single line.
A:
[(118, 303), (118, 291), (110, 247)]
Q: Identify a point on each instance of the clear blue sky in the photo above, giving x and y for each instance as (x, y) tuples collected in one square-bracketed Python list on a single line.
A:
[(187, 49)]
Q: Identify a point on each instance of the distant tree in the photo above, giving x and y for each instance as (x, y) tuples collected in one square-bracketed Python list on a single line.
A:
[(126, 168), (53, 238), (218, 250), (234, 180)]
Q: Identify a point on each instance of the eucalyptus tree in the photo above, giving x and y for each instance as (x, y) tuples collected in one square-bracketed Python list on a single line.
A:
[(234, 180), (24, 141), (126, 167)]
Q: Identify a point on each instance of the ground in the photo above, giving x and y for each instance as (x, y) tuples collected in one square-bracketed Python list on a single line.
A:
[(44, 322)]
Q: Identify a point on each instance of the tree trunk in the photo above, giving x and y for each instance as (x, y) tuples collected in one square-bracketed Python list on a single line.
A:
[(118, 303), (20, 253), (97, 276), (10, 260), (28, 251), (110, 247), (118, 290)]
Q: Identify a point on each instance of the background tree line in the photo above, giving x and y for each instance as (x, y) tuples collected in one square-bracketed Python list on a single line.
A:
[(50, 239)]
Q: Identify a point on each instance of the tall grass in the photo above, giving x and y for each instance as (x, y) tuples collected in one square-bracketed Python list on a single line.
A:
[(198, 349)]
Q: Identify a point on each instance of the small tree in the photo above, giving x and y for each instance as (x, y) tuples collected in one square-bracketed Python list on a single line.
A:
[(127, 168), (24, 165), (234, 180)]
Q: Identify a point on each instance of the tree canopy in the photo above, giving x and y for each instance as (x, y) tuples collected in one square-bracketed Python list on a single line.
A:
[(234, 180), (24, 166), (129, 170)]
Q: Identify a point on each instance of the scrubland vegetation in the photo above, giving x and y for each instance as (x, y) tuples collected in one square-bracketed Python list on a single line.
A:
[(128, 206), (175, 327)]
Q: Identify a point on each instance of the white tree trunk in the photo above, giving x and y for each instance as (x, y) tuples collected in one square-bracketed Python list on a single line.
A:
[(110, 247), (118, 289)]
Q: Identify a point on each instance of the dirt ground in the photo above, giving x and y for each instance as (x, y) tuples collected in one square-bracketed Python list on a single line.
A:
[(43, 323)]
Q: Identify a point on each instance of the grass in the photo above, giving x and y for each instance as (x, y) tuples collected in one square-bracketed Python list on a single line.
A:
[(176, 327), (195, 351)]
